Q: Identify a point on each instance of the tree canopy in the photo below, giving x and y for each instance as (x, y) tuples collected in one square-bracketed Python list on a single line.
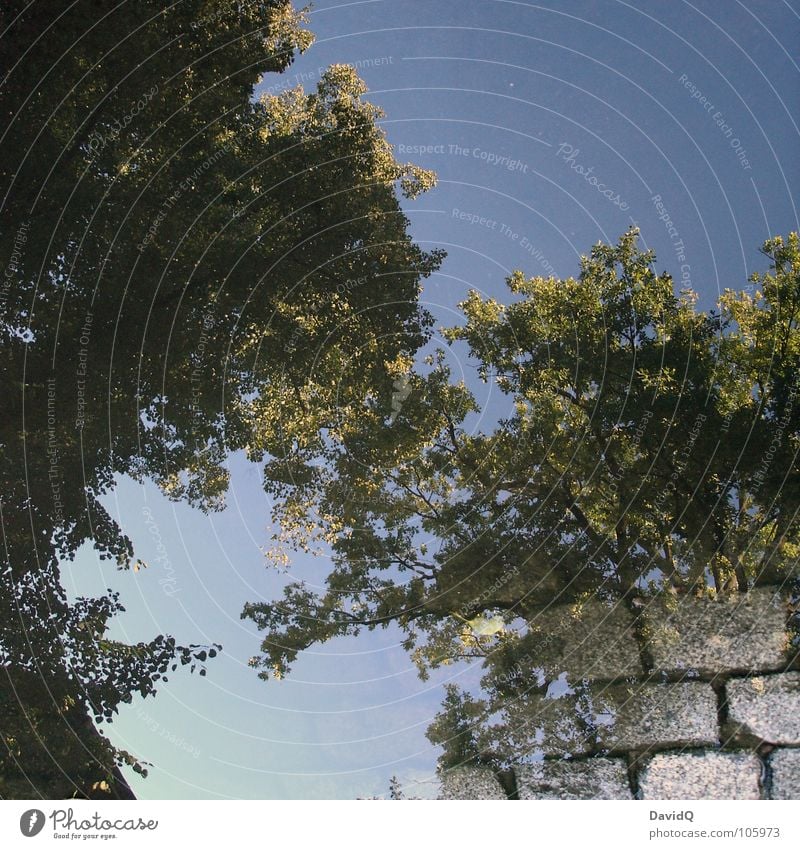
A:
[(648, 446), (187, 271)]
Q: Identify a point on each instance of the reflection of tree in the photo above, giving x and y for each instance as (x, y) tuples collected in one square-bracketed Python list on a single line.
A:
[(649, 445), (52, 747), (186, 272)]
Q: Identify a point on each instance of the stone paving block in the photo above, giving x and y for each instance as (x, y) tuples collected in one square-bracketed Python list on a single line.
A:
[(593, 778), (785, 766), (655, 716), (593, 640), (711, 775), (471, 782), (764, 709), (742, 633)]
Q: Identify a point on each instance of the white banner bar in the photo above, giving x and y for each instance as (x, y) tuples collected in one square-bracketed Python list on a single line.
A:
[(400, 825)]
